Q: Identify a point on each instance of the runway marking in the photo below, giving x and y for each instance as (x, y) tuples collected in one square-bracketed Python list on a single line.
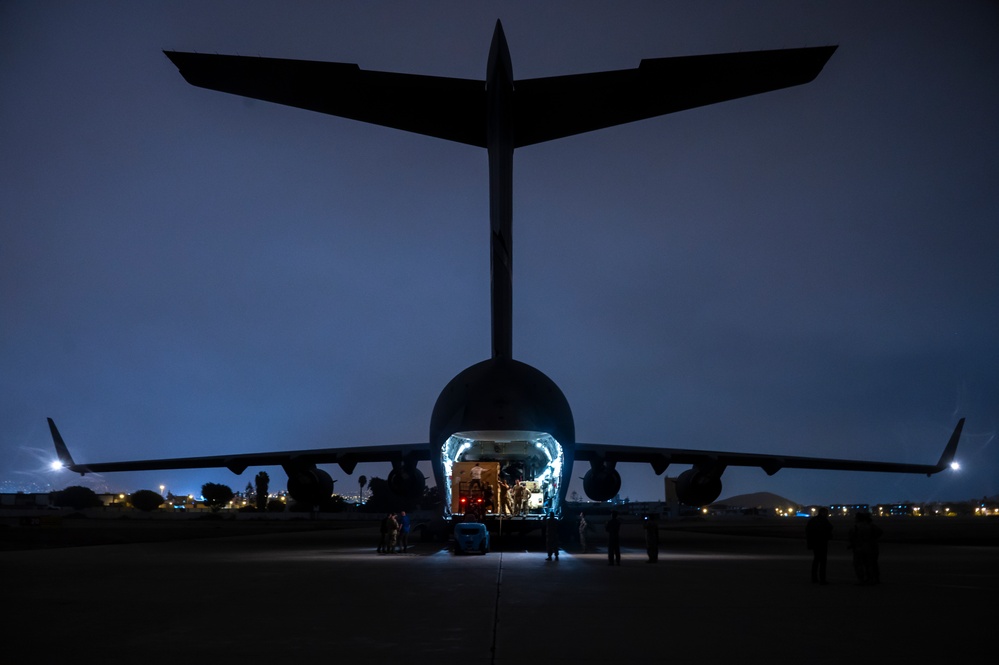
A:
[(496, 608)]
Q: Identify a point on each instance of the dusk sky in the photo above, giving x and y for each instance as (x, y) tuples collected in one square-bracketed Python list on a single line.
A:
[(813, 271)]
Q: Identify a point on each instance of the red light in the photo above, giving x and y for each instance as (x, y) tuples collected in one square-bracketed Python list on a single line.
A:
[(479, 501), (463, 499)]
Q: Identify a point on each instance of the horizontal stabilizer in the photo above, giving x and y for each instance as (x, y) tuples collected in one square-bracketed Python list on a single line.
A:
[(551, 108), (543, 108), (446, 108)]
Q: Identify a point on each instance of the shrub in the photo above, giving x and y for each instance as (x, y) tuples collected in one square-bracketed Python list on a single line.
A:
[(146, 500)]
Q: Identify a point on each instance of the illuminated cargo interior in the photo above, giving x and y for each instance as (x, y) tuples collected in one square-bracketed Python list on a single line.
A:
[(504, 457)]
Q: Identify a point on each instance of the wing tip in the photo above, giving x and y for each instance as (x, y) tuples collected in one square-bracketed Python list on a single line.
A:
[(950, 451), (62, 451)]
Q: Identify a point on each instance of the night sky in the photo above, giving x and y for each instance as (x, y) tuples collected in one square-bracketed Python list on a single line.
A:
[(813, 271)]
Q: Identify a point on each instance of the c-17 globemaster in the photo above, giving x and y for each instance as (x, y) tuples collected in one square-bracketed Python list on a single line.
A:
[(500, 414)]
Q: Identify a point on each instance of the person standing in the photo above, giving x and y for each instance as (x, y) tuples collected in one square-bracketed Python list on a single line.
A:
[(504, 497), (551, 536), (582, 531), (652, 537), (518, 493), (487, 498), (874, 567), (403, 544), (384, 533), (393, 532), (864, 542), (818, 531), (613, 529)]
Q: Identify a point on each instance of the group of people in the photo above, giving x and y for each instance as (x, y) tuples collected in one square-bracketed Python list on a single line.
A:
[(862, 540), (613, 529), (511, 494), (394, 534), (512, 500)]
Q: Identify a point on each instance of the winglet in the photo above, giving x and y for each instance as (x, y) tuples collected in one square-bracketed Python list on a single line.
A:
[(61, 450), (950, 450)]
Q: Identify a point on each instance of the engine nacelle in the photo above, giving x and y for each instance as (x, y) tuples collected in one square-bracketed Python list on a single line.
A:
[(602, 483), (699, 486), (407, 481), (309, 485)]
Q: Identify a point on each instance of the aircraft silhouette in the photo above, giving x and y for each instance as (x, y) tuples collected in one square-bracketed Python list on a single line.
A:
[(501, 411)]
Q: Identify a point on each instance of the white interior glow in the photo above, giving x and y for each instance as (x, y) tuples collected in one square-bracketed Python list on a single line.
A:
[(538, 452)]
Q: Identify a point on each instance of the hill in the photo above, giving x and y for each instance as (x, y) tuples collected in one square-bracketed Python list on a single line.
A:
[(764, 500)]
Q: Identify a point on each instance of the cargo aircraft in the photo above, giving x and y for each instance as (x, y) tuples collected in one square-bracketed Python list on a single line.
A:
[(502, 413)]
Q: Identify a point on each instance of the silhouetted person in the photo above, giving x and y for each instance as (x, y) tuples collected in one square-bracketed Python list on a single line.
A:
[(652, 537), (875, 552), (384, 533), (613, 529), (487, 497), (551, 536), (864, 542), (582, 531), (403, 544), (818, 531)]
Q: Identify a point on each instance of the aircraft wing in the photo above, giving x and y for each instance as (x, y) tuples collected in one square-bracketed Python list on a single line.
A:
[(544, 108), (661, 458), (446, 108), (347, 458), (551, 108)]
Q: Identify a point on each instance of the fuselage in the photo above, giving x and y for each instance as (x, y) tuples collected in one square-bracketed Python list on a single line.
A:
[(507, 413), (500, 411)]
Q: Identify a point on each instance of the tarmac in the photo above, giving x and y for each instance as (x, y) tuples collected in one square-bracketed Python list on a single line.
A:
[(326, 596)]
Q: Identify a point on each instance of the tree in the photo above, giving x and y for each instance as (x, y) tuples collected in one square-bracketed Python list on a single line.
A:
[(381, 498), (216, 495), (263, 481), (250, 494), (360, 489), (431, 498), (146, 500), (77, 497)]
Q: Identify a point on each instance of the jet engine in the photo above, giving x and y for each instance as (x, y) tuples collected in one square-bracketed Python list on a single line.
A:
[(700, 485), (406, 480), (602, 482), (309, 485)]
